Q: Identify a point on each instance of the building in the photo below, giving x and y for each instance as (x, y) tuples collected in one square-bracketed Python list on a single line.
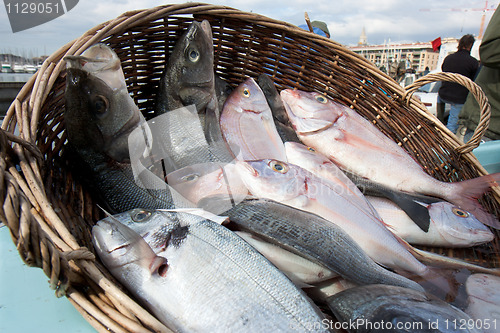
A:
[(387, 57)]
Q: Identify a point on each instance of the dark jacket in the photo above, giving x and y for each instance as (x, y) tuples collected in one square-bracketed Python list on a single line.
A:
[(460, 62), (488, 79)]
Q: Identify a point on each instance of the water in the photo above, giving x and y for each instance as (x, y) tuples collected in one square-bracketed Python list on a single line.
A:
[(15, 77)]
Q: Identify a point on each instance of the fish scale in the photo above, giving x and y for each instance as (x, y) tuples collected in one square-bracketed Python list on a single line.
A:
[(310, 236), (215, 281)]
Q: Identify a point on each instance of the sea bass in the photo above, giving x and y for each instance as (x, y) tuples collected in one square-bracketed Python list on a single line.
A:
[(99, 117), (247, 124), (297, 187), (187, 102), (309, 236), (484, 301), (207, 279), (449, 225), (381, 308), (189, 74), (357, 146)]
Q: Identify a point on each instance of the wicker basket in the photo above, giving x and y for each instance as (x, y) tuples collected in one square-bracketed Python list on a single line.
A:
[(50, 214)]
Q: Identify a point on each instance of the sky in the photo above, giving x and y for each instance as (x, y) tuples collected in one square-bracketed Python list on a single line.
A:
[(383, 20)]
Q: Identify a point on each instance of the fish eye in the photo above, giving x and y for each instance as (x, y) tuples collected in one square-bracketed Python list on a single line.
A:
[(246, 92), (278, 166), (460, 213), (320, 98), (101, 104), (141, 216), (193, 55), (311, 149), (191, 177)]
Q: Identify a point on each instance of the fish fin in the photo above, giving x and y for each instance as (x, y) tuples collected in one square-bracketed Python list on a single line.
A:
[(417, 211), (437, 259), (466, 193), (104, 210)]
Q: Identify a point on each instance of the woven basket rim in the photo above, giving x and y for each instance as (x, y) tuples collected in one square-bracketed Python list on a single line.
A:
[(24, 193)]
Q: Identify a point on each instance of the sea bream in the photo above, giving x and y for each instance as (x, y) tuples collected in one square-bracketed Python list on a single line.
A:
[(247, 124), (356, 145), (207, 279), (319, 165), (449, 226), (381, 308), (198, 181), (99, 117), (297, 187)]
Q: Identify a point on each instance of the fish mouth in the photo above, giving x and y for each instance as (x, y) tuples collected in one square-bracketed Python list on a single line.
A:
[(116, 143), (247, 168)]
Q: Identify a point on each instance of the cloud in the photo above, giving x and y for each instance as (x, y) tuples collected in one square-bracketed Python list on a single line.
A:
[(382, 19)]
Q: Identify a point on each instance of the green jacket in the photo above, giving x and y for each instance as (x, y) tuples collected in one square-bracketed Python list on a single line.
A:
[(488, 79)]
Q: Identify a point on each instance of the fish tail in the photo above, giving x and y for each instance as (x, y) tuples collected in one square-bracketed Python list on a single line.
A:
[(465, 194)]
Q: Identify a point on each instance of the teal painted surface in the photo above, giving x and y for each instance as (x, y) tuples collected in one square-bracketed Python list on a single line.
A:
[(27, 304), (488, 154)]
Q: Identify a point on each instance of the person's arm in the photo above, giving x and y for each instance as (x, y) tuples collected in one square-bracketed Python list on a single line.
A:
[(489, 51)]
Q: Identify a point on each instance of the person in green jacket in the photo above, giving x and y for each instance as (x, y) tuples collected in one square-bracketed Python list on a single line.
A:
[(489, 80)]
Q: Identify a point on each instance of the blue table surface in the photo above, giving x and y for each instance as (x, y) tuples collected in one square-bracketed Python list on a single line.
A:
[(27, 304)]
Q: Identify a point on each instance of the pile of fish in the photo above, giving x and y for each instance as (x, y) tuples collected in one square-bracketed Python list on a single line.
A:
[(229, 203)]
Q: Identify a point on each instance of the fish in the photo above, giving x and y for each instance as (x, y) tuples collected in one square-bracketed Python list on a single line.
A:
[(301, 271), (198, 181), (206, 280), (277, 107), (449, 226), (298, 188), (309, 236), (319, 165), (483, 301), (357, 146), (222, 91), (322, 290), (247, 123), (188, 78), (99, 117), (382, 308), (187, 109)]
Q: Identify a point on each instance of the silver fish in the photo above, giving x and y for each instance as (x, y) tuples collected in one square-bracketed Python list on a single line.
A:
[(381, 308), (357, 146), (207, 279), (301, 271), (309, 236)]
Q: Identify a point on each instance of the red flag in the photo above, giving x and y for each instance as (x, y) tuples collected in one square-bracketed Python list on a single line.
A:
[(436, 43)]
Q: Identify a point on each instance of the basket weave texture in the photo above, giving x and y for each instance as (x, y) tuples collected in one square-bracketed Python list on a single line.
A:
[(50, 213)]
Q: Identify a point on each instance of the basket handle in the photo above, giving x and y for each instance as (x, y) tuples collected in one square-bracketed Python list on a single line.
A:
[(477, 92)]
